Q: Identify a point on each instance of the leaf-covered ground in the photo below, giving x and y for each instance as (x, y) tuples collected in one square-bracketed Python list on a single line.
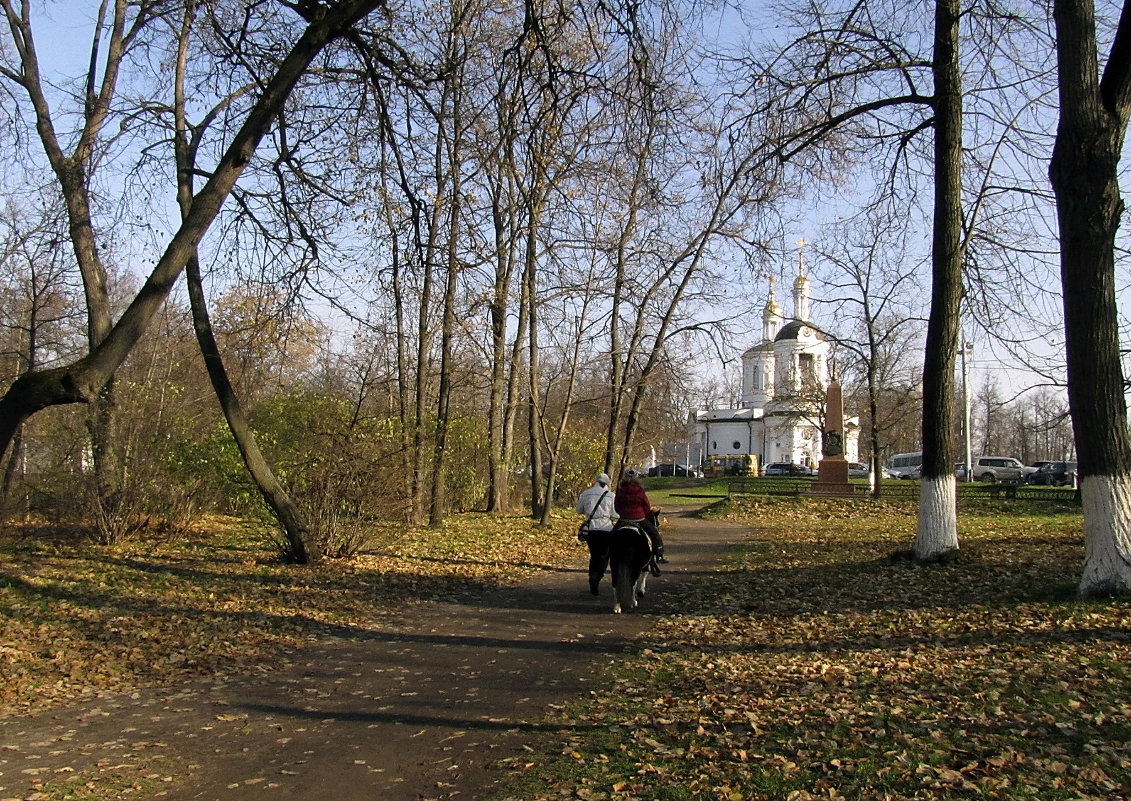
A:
[(826, 665), (77, 619)]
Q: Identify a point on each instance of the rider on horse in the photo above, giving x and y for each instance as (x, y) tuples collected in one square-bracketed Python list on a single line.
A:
[(632, 505)]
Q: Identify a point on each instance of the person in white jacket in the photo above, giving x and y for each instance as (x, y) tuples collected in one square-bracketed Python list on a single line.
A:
[(596, 503)]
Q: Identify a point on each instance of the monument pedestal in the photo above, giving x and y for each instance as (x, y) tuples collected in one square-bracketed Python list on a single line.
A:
[(832, 478)]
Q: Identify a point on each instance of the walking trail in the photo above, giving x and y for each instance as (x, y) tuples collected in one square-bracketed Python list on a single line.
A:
[(420, 707)]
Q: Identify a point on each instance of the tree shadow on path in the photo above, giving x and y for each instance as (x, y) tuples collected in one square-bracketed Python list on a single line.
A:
[(423, 704)]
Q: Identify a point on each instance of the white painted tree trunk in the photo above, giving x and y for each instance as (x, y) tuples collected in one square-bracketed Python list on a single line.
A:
[(937, 533), (1107, 535)]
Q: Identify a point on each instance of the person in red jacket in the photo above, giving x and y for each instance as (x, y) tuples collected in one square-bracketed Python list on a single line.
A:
[(632, 505)]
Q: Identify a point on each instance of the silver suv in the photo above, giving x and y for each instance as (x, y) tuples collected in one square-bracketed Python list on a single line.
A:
[(998, 468)]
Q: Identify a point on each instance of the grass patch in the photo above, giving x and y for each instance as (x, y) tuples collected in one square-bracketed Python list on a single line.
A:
[(822, 667)]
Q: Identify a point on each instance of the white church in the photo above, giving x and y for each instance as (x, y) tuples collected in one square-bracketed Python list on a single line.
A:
[(781, 407)]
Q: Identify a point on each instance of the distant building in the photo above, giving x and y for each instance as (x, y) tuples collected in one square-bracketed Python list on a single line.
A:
[(784, 378)]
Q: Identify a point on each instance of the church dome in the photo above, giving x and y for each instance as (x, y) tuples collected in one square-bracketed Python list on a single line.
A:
[(762, 347), (798, 329)]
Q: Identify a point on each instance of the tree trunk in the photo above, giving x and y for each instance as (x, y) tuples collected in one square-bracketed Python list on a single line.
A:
[(13, 469), (296, 533), (299, 547), (514, 379), (937, 531), (447, 333), (534, 421), (498, 478), (873, 416), (1083, 171), (423, 356)]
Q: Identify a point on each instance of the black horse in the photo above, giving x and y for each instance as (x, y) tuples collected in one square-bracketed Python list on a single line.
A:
[(630, 561)]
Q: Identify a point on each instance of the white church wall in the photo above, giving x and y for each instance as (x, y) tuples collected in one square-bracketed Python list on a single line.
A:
[(770, 423)]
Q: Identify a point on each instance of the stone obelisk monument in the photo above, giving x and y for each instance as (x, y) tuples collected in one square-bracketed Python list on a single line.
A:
[(832, 477)]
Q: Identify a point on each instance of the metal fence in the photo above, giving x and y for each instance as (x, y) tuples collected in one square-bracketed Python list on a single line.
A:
[(902, 489)]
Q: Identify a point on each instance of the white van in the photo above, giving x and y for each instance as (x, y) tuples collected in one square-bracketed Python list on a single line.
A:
[(905, 465)]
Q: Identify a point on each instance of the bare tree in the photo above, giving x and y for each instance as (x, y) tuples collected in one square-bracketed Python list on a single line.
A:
[(455, 115), (82, 381), (851, 84), (122, 24), (937, 532), (38, 312), (992, 417), (871, 283), (1084, 172), (186, 143)]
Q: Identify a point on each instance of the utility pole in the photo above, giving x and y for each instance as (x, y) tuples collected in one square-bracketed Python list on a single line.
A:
[(965, 351)]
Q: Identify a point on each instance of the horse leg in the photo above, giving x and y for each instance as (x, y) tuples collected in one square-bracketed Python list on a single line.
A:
[(625, 583)]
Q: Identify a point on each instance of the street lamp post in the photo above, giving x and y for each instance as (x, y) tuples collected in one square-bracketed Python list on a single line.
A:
[(966, 350)]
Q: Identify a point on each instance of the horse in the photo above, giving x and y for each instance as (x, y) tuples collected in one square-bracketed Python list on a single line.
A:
[(630, 561)]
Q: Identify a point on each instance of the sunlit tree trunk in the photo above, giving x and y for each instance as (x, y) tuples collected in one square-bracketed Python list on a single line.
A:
[(1084, 174), (516, 370), (937, 532), (454, 156), (502, 180), (497, 462)]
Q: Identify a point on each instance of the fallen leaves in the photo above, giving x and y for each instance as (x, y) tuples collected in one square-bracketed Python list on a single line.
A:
[(818, 667), (80, 619)]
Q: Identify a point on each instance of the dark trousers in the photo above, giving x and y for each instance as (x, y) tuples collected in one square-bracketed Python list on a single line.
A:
[(653, 532), (598, 542)]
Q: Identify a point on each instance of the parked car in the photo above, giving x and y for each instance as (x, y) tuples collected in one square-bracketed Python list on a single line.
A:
[(998, 468), (787, 469), (1055, 474), (904, 465), (672, 469), (859, 470)]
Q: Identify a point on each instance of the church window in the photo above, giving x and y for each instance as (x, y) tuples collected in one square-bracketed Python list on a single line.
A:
[(737, 445), (807, 366)]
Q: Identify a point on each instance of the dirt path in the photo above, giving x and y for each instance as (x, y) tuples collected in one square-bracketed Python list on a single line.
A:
[(416, 709)]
